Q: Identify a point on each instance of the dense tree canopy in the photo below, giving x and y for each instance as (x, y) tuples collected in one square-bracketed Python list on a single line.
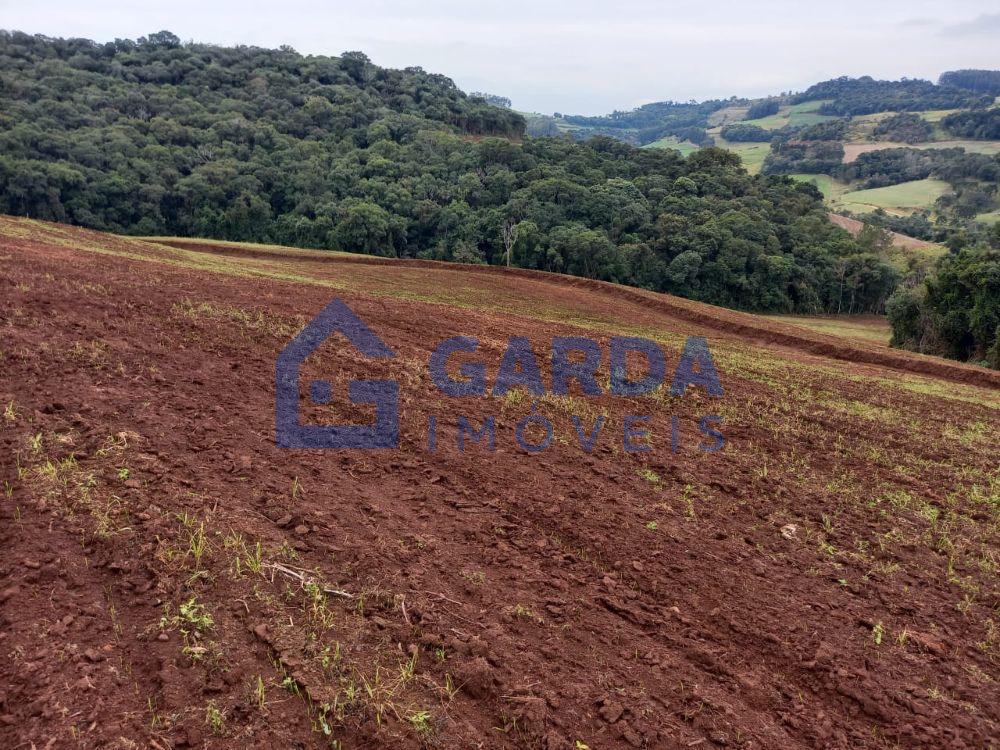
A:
[(157, 137), (745, 132), (904, 127), (980, 81), (788, 156), (983, 124), (650, 122), (865, 95), (956, 311), (763, 108)]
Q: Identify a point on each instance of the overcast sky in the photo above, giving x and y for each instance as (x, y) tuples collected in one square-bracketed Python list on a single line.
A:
[(575, 56)]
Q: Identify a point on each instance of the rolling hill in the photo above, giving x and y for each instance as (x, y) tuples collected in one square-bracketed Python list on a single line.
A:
[(852, 116)]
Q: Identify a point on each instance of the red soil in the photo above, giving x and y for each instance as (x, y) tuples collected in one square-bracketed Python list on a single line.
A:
[(520, 600), (747, 327)]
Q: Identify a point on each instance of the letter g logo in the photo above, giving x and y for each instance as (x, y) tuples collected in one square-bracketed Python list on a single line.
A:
[(384, 394)]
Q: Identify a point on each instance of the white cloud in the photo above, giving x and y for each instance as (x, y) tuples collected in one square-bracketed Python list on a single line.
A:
[(988, 24)]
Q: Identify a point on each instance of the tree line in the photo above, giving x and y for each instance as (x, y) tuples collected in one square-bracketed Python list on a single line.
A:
[(955, 311), (866, 95)]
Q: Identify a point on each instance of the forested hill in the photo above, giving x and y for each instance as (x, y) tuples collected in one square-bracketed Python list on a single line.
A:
[(157, 137), (861, 96)]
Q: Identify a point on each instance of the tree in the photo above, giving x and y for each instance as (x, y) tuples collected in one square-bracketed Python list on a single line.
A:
[(509, 232), (364, 228)]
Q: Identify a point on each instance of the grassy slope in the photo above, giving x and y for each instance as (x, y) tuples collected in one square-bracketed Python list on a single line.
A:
[(803, 113), (829, 187), (897, 199), (752, 154), (870, 328), (685, 147)]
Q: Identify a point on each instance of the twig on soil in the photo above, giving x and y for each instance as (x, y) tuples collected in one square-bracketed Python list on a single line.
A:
[(300, 576), (454, 614), (442, 596)]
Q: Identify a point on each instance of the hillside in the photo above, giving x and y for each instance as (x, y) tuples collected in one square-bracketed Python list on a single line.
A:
[(828, 579), (154, 137), (157, 137), (821, 130)]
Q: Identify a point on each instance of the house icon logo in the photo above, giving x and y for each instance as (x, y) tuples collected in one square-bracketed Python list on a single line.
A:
[(383, 394)]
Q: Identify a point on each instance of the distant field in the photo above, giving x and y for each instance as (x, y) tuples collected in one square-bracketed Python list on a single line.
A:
[(873, 328), (671, 141), (853, 150), (752, 154), (904, 251), (973, 147), (772, 122), (727, 115), (897, 199), (829, 187), (797, 114), (990, 218), (936, 115), (862, 126)]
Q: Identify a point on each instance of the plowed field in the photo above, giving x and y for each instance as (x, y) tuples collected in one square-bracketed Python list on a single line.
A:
[(173, 578)]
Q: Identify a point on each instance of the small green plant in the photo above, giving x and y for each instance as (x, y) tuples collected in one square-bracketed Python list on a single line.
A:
[(197, 544), (316, 599), (420, 721), (260, 694), (878, 632), (123, 474), (214, 718), (408, 669), (330, 657), (255, 558), (514, 397), (193, 617), (9, 412), (450, 689), (650, 476), (477, 577), (524, 613), (156, 719), (652, 525), (324, 725), (688, 499)]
